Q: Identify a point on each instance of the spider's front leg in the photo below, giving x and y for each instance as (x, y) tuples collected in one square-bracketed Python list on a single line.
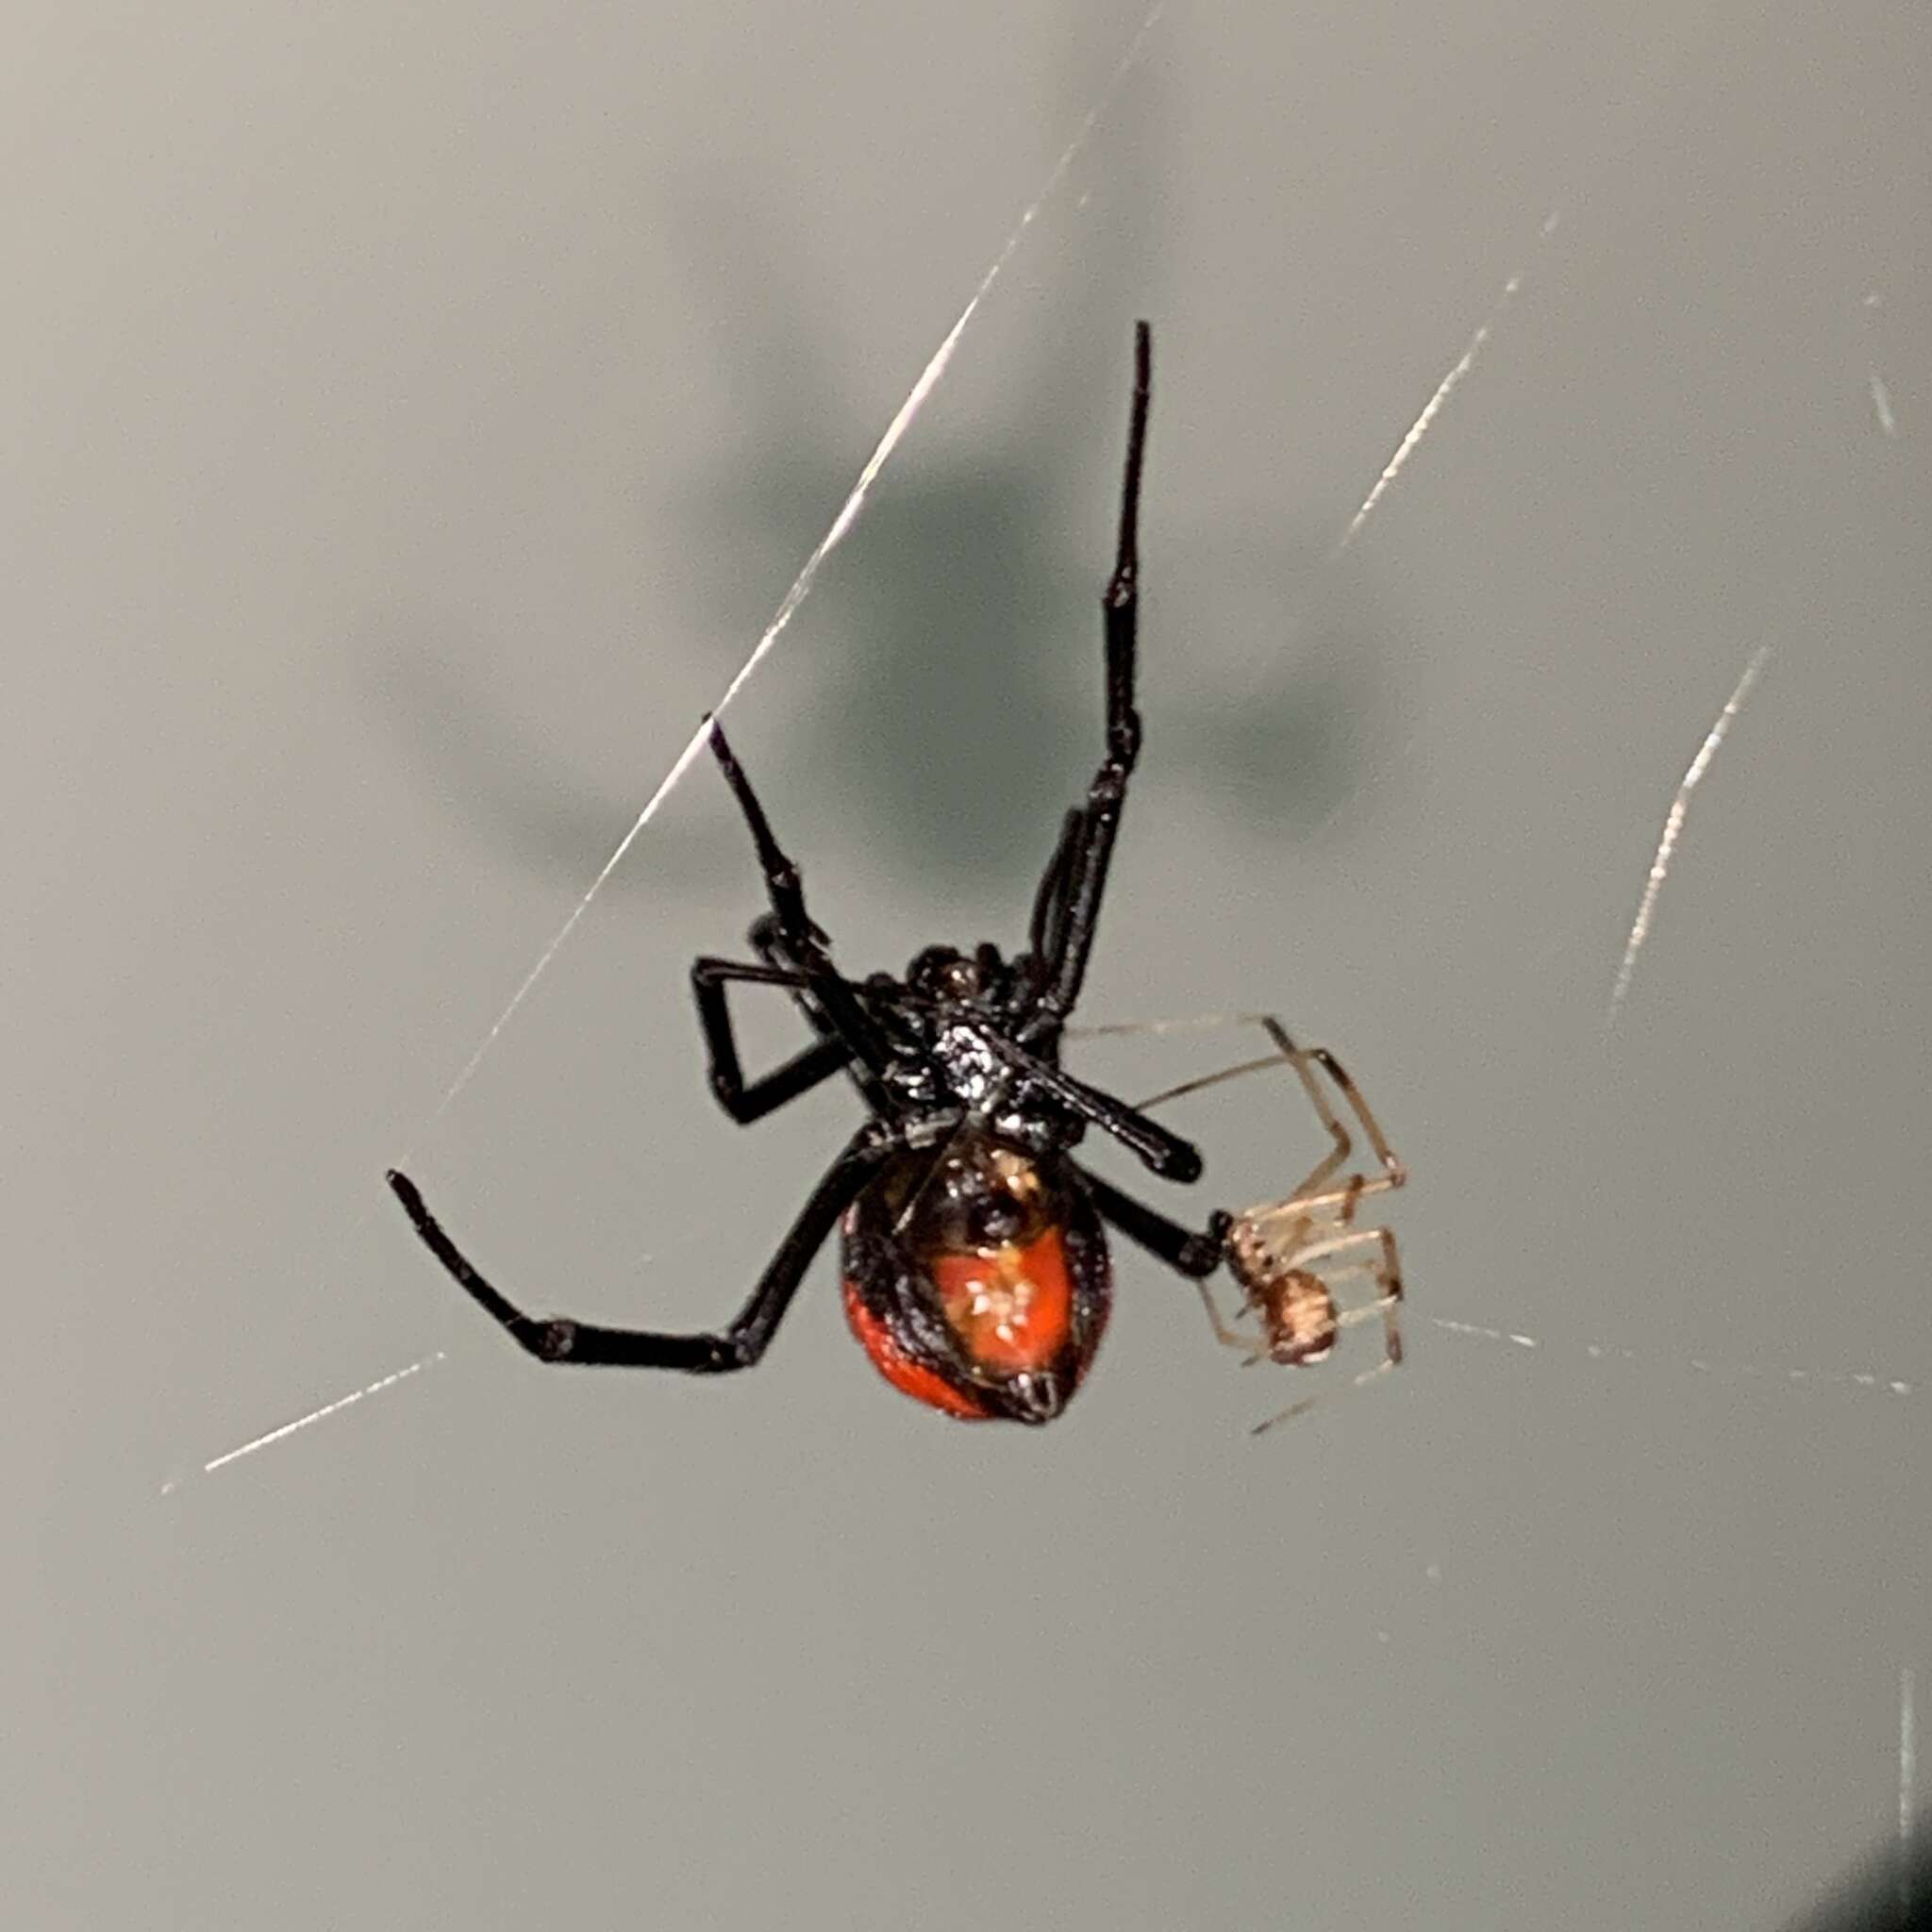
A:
[(1162, 1150), (1046, 929), (796, 939), (557, 1339), (751, 1100), (1067, 908)]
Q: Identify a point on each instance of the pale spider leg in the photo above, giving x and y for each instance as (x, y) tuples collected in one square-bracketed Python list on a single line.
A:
[(1315, 1206), (1395, 1172), (1285, 1050), (1342, 1243), (1308, 1402), (1239, 1070), (1229, 1338), (1191, 1022), (1297, 1205), (1317, 1175)]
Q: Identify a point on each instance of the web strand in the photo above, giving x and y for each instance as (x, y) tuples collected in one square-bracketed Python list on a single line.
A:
[(1412, 439), (269, 1438), (1875, 383), (1908, 1777), (1433, 407), (1865, 1380), (1673, 827)]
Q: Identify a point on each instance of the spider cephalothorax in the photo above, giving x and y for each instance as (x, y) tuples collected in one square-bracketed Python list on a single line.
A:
[(946, 1026), (976, 1265)]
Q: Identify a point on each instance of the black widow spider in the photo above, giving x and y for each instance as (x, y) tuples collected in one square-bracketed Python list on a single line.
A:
[(975, 1266)]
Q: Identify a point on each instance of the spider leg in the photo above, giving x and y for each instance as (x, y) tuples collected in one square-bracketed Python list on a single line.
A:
[(1050, 895), (1089, 850), (556, 1338), (1394, 1172), (1314, 1196), (1163, 1150), (796, 934), (751, 1100), (767, 940), (783, 880), (1196, 1255)]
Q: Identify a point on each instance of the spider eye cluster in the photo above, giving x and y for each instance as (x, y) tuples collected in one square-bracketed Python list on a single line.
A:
[(943, 973)]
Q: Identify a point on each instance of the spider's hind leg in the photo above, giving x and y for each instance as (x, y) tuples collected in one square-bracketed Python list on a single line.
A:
[(587, 1344)]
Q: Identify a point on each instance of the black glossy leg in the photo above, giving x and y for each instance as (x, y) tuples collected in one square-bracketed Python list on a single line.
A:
[(1162, 1150), (748, 1101), (556, 1338), (796, 934), (1196, 1255), (1093, 849), (1048, 924)]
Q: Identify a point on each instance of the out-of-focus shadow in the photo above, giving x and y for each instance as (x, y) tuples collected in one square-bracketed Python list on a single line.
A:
[(1881, 1892), (481, 763), (964, 705), (960, 699), (963, 678), (1281, 736)]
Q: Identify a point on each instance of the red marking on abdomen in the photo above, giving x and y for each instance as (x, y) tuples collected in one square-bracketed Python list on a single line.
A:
[(1012, 1308), (908, 1376)]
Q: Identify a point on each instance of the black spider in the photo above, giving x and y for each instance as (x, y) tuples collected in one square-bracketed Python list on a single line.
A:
[(976, 1265)]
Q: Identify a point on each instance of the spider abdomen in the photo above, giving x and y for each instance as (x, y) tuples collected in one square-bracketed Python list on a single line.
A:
[(976, 1278), (1297, 1310)]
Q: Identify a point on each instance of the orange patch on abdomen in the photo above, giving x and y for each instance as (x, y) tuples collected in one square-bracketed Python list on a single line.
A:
[(1012, 1308), (908, 1376)]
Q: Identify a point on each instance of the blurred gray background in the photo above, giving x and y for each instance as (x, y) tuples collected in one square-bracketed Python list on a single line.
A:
[(415, 417)]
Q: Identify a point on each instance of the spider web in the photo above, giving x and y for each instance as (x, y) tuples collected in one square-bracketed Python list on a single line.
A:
[(1663, 895), (1404, 452)]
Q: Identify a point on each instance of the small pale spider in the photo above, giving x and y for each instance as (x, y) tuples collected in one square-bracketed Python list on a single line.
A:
[(1288, 1257), (976, 1273)]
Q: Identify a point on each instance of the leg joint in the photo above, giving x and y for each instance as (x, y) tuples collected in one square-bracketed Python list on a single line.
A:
[(1204, 1252)]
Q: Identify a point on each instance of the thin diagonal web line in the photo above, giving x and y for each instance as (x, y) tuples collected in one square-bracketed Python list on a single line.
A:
[(801, 587), (1411, 442), (1907, 1776), (1673, 830), (1433, 407)]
